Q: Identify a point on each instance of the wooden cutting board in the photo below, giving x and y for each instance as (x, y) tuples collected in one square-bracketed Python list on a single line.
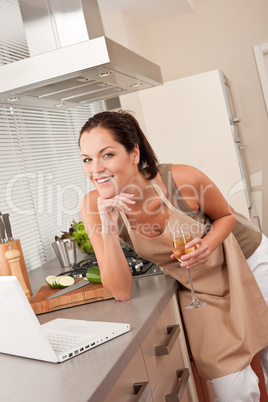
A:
[(87, 294)]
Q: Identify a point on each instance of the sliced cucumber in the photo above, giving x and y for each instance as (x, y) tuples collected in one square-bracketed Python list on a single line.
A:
[(65, 281), (54, 283), (49, 279), (59, 282)]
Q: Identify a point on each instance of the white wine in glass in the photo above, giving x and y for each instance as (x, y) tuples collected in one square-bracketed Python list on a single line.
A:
[(179, 238)]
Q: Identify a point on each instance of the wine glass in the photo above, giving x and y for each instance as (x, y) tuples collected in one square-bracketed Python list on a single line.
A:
[(179, 238)]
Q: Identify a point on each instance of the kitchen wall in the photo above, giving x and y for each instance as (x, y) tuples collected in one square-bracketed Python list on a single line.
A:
[(216, 35)]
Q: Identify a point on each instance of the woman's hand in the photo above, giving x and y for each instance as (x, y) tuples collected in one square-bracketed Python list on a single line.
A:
[(109, 210), (199, 256)]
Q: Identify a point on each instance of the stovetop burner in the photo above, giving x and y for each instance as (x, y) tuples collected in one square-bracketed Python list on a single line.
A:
[(137, 265)]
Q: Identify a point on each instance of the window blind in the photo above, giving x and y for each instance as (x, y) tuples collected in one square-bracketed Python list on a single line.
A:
[(42, 180), (41, 175), (13, 45)]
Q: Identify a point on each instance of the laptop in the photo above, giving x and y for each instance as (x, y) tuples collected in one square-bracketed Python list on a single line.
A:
[(61, 339)]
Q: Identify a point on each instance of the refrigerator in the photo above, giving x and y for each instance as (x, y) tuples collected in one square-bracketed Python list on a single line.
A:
[(192, 121)]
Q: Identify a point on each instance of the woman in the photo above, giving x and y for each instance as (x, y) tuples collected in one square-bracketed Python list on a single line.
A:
[(139, 201)]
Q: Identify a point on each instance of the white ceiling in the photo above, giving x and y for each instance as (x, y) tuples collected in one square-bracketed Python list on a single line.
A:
[(146, 11)]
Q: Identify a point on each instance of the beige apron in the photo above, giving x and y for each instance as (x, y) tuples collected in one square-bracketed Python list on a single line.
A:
[(225, 334)]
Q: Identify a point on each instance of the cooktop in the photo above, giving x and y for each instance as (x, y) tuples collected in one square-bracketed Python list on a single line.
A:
[(137, 265)]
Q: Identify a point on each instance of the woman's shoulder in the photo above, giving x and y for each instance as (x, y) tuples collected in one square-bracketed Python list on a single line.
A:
[(183, 182), (186, 175)]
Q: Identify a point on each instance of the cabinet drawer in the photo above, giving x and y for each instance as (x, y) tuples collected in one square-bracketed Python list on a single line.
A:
[(158, 337), (169, 381), (134, 373)]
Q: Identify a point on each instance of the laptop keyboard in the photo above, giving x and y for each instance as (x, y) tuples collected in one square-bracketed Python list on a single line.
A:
[(64, 341)]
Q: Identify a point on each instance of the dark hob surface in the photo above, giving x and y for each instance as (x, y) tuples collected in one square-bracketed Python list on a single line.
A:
[(138, 266)]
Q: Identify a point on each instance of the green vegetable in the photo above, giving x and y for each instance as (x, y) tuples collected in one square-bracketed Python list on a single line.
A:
[(59, 282), (81, 238), (93, 275), (49, 280)]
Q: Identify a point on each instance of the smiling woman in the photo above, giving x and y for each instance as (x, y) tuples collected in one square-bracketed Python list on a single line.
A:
[(126, 131), (105, 161), (142, 202)]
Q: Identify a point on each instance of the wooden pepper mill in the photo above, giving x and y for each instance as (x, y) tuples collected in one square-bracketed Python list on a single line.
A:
[(13, 258)]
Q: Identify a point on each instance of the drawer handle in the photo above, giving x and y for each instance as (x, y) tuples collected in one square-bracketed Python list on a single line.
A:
[(142, 391), (173, 333), (183, 375)]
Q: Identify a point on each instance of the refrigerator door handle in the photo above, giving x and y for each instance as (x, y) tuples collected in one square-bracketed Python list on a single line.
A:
[(236, 120)]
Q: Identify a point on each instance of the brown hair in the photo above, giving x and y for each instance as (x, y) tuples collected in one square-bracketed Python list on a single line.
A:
[(126, 130)]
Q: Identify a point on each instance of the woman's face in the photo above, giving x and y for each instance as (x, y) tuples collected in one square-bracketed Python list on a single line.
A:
[(106, 162)]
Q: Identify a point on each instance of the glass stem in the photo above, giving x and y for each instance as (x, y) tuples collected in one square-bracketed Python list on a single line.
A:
[(192, 286)]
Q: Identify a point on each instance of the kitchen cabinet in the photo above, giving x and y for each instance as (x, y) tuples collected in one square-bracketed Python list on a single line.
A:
[(133, 383), (161, 364), (173, 384)]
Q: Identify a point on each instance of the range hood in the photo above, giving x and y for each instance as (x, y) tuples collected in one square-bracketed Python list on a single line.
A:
[(71, 61)]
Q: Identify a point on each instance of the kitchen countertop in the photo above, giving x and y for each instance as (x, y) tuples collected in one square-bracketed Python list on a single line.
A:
[(90, 375)]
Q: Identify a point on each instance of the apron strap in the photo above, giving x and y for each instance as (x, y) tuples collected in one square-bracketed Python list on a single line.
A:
[(206, 225), (126, 221), (162, 195)]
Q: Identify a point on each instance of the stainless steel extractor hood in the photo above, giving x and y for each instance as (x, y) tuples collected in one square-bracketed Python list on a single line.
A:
[(71, 61)]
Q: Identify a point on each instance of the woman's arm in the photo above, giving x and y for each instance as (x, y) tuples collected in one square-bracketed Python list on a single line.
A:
[(100, 219), (200, 193)]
